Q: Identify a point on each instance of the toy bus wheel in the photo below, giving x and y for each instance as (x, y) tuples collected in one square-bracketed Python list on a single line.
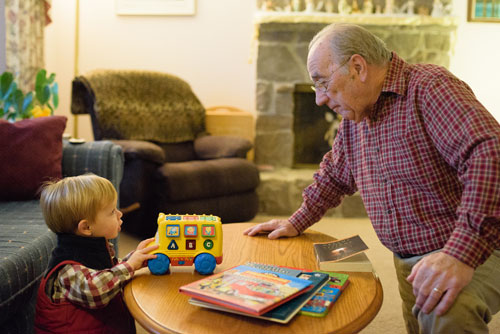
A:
[(160, 265), (205, 263)]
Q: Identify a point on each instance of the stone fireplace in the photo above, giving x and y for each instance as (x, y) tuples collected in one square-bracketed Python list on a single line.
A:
[(314, 128), (282, 46)]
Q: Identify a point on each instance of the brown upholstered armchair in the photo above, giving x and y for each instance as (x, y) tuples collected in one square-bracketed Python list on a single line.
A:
[(171, 164)]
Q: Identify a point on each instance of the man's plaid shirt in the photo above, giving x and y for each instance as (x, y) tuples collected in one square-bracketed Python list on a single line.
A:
[(426, 163), (90, 288)]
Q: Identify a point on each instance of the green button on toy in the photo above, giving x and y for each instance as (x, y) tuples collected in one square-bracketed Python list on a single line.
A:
[(208, 244)]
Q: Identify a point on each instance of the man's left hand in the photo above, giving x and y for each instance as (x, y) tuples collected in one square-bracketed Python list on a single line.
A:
[(437, 280)]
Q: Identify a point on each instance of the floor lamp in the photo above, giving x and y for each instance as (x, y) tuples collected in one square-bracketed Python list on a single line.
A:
[(75, 61)]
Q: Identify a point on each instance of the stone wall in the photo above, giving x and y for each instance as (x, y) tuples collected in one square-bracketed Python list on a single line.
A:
[(282, 48)]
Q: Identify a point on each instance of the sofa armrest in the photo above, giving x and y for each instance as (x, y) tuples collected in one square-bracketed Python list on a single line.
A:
[(139, 149), (102, 158), (214, 147)]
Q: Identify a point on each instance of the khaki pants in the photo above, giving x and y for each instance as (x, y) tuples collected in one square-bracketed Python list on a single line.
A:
[(472, 309)]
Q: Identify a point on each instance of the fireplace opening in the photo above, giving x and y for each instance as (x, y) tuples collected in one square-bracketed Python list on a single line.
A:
[(314, 128)]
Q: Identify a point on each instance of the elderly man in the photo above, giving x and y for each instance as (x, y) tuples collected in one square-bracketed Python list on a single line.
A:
[(425, 156)]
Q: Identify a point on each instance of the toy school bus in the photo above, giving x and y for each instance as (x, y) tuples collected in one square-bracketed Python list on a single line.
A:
[(187, 239)]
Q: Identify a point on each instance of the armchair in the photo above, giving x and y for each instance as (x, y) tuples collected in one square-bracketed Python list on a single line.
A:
[(171, 164)]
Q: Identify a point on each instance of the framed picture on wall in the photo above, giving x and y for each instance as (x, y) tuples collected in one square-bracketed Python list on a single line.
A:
[(483, 11), (155, 7)]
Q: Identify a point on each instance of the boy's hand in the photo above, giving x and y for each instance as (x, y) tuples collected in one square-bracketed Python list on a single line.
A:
[(144, 243), (138, 258)]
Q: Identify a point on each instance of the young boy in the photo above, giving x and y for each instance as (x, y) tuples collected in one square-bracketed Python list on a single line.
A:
[(82, 290)]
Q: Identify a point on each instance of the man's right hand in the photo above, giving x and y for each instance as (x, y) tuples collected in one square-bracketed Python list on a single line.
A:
[(278, 228)]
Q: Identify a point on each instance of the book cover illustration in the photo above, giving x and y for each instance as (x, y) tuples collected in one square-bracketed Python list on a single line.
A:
[(340, 249), (247, 289), (322, 301), (286, 311), (337, 280)]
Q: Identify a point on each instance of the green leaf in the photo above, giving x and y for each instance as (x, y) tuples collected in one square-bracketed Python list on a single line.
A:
[(6, 106), (27, 103), (51, 79), (46, 94), (55, 94), (6, 82), (41, 78), (17, 99), (40, 84)]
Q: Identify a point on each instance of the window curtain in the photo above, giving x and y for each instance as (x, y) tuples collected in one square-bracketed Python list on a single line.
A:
[(24, 24)]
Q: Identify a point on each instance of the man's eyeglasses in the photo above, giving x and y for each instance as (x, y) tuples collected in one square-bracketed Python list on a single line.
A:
[(322, 85)]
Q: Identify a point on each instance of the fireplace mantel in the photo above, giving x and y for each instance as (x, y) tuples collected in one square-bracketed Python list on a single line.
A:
[(363, 19)]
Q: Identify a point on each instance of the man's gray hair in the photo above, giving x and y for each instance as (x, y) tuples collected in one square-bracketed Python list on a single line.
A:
[(347, 39)]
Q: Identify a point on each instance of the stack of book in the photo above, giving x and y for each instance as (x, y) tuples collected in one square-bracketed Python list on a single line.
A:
[(263, 291)]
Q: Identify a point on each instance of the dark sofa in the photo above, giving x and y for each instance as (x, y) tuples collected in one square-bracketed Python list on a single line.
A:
[(26, 243)]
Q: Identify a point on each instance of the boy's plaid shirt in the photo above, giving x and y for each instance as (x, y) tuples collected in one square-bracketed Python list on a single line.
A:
[(90, 288)]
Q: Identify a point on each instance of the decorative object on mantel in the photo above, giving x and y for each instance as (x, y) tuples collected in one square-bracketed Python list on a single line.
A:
[(483, 11), (437, 9), (408, 7), (266, 5), (389, 7), (310, 6), (296, 5), (14, 105), (355, 7), (344, 8), (329, 7), (367, 7)]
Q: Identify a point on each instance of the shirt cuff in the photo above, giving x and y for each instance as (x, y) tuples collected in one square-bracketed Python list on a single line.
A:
[(125, 270), (302, 219), (468, 247)]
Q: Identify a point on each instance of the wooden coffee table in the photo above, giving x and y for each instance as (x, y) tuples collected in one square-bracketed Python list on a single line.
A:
[(156, 304)]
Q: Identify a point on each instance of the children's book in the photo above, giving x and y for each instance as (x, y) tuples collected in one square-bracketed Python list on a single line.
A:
[(343, 255), (285, 312), (322, 301), (337, 280), (247, 289)]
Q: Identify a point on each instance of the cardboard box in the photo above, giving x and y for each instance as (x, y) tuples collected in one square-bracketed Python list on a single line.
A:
[(231, 121)]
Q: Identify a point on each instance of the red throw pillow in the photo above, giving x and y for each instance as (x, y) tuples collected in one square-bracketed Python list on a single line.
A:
[(30, 154)]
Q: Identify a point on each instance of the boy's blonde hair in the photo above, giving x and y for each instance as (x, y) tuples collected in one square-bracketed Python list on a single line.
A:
[(66, 202)]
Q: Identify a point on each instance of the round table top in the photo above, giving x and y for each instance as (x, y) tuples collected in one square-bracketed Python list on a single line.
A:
[(155, 301)]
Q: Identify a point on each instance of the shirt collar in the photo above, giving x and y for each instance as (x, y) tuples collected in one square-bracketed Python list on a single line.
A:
[(394, 83), (395, 79)]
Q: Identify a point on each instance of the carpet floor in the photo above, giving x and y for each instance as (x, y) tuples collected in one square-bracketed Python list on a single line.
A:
[(389, 319)]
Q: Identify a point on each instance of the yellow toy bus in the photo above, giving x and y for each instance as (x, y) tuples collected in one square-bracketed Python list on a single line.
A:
[(187, 239)]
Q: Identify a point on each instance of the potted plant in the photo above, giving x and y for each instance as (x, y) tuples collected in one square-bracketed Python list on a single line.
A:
[(15, 105)]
